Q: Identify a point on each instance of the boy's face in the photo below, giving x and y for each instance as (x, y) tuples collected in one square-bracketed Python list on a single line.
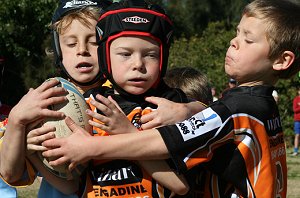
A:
[(247, 57), (79, 51), (135, 63)]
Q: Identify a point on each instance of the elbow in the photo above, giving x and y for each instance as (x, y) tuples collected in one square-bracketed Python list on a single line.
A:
[(181, 190), (8, 177), (11, 176)]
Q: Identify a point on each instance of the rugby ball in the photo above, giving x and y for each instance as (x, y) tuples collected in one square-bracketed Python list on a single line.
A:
[(75, 108)]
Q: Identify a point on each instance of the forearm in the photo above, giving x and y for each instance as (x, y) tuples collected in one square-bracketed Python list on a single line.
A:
[(161, 172), (12, 153), (144, 145), (65, 186)]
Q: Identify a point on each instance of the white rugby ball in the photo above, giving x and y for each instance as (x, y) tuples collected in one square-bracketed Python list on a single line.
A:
[(75, 108)]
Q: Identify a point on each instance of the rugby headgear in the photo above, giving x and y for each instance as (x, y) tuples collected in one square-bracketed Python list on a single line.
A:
[(65, 7), (132, 18)]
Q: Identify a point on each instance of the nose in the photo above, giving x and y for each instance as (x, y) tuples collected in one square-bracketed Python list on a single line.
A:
[(83, 50), (234, 43), (138, 63)]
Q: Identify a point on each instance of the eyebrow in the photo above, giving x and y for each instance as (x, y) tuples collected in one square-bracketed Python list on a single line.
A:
[(145, 49), (246, 32)]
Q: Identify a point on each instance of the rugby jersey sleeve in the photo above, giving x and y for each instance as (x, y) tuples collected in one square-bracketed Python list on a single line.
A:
[(194, 140)]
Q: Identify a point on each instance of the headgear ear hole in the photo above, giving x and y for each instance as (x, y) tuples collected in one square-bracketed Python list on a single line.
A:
[(56, 46)]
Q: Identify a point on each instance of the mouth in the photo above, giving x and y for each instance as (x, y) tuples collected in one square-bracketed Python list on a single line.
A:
[(228, 59), (137, 81), (84, 65)]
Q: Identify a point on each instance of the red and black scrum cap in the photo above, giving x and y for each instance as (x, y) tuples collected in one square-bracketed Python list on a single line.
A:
[(132, 18)]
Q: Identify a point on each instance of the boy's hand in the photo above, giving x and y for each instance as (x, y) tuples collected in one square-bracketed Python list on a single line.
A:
[(36, 137), (167, 113), (73, 149), (33, 106), (114, 120)]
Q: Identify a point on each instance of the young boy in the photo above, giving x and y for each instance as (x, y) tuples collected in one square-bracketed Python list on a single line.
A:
[(238, 138), (134, 40)]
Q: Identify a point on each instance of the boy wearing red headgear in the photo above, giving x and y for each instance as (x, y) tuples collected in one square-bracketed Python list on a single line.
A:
[(134, 40)]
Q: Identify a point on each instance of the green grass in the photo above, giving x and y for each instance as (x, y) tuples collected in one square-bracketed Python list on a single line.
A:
[(293, 191), (30, 191), (293, 164)]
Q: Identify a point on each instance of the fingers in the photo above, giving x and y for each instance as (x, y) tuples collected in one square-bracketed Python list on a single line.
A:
[(33, 148), (39, 135), (153, 100), (98, 125), (72, 166), (58, 92), (116, 104), (148, 117), (110, 105), (72, 125), (52, 113), (151, 124), (58, 161), (53, 143), (47, 84), (105, 106), (97, 116), (151, 120)]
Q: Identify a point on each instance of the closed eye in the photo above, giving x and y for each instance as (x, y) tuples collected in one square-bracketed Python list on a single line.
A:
[(71, 44)]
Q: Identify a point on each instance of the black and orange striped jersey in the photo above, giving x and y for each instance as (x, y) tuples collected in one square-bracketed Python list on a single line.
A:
[(239, 139), (125, 178)]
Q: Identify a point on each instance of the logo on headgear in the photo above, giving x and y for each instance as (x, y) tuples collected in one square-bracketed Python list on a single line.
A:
[(135, 20), (75, 4), (100, 32)]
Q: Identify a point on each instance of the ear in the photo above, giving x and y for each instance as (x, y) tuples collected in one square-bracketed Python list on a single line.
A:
[(284, 61)]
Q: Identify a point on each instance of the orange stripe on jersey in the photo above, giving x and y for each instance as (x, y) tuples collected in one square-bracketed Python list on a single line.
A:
[(252, 139), (205, 155)]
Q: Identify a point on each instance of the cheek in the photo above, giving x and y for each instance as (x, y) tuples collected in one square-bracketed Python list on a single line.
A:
[(94, 53), (118, 73), (153, 68), (67, 62)]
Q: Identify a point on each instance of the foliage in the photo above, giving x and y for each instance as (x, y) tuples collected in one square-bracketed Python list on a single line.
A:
[(191, 17), (206, 52), (23, 25)]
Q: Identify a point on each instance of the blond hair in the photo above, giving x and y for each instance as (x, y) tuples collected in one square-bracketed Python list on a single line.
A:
[(283, 28), (82, 15)]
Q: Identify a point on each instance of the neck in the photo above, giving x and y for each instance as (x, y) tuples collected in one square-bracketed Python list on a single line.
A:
[(254, 83), (83, 89)]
